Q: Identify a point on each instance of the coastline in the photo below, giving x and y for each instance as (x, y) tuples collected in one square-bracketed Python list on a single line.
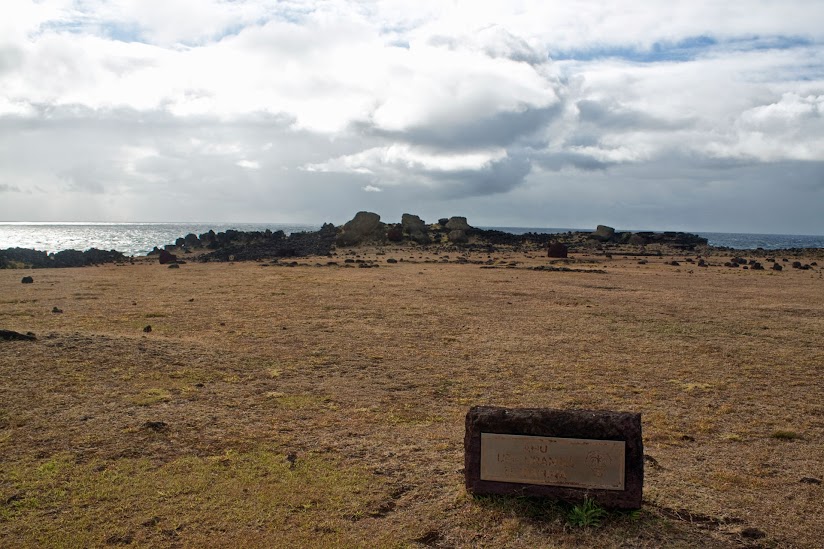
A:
[(260, 242), (137, 239)]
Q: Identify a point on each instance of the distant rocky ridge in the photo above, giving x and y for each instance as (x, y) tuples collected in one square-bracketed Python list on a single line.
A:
[(17, 257), (367, 229)]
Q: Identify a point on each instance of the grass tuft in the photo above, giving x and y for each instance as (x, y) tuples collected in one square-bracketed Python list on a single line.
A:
[(785, 435), (586, 515)]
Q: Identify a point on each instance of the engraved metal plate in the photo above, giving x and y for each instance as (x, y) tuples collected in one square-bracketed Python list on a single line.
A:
[(570, 462)]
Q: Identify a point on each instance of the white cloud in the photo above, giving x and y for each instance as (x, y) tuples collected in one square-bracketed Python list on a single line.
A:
[(372, 189), (248, 164), (460, 99), (405, 157)]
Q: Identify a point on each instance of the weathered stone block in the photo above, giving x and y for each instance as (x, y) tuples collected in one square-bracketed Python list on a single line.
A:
[(562, 454)]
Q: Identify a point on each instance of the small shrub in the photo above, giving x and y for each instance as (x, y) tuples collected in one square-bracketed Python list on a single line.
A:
[(785, 435), (586, 515)]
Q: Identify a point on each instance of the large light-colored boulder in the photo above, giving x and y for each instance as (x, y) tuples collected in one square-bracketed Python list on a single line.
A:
[(603, 233), (457, 224), (412, 223), (363, 225)]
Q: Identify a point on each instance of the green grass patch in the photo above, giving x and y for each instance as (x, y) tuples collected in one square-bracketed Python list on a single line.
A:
[(191, 500), (152, 396), (587, 514), (785, 435)]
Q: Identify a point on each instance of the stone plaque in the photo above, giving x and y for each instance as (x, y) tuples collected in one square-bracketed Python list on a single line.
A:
[(573, 462), (567, 455)]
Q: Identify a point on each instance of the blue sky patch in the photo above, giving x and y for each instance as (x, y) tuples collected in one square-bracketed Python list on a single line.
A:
[(687, 49)]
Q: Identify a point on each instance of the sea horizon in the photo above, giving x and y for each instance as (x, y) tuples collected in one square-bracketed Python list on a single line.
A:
[(140, 237)]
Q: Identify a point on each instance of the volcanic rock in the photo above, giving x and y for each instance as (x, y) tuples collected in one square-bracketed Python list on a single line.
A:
[(11, 335), (191, 241), (412, 223), (457, 224), (458, 236), (27, 280), (603, 233), (167, 257), (394, 234), (359, 228), (415, 227), (557, 249)]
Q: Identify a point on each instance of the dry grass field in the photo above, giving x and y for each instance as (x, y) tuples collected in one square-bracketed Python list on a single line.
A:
[(284, 406)]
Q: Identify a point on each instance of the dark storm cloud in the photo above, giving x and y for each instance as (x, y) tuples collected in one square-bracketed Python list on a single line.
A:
[(611, 115), (499, 177), (500, 129)]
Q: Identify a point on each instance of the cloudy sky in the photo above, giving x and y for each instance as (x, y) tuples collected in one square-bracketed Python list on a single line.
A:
[(699, 115)]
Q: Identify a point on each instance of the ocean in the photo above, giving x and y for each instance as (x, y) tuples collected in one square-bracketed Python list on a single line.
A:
[(139, 238)]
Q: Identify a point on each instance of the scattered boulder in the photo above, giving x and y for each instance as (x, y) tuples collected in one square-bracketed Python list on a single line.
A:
[(11, 335), (777, 267), (167, 257), (391, 260), (27, 280), (443, 221), (156, 426), (557, 249), (458, 236), (457, 224), (174, 266), (415, 227), (752, 533), (603, 233), (702, 263), (57, 310), (191, 240), (363, 225), (412, 223), (147, 329), (421, 238)]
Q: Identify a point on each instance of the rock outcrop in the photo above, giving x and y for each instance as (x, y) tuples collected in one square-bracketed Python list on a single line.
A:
[(24, 257), (270, 245), (167, 257), (603, 233), (415, 228), (457, 224), (364, 226)]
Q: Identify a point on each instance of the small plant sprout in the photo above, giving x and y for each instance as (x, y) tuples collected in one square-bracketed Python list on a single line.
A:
[(587, 514)]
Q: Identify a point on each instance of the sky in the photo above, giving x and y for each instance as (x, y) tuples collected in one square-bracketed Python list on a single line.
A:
[(662, 115)]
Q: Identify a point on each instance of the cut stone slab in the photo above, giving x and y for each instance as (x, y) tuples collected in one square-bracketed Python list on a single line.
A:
[(567, 455)]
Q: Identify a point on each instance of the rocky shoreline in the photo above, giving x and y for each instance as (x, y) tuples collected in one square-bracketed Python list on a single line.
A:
[(366, 229)]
